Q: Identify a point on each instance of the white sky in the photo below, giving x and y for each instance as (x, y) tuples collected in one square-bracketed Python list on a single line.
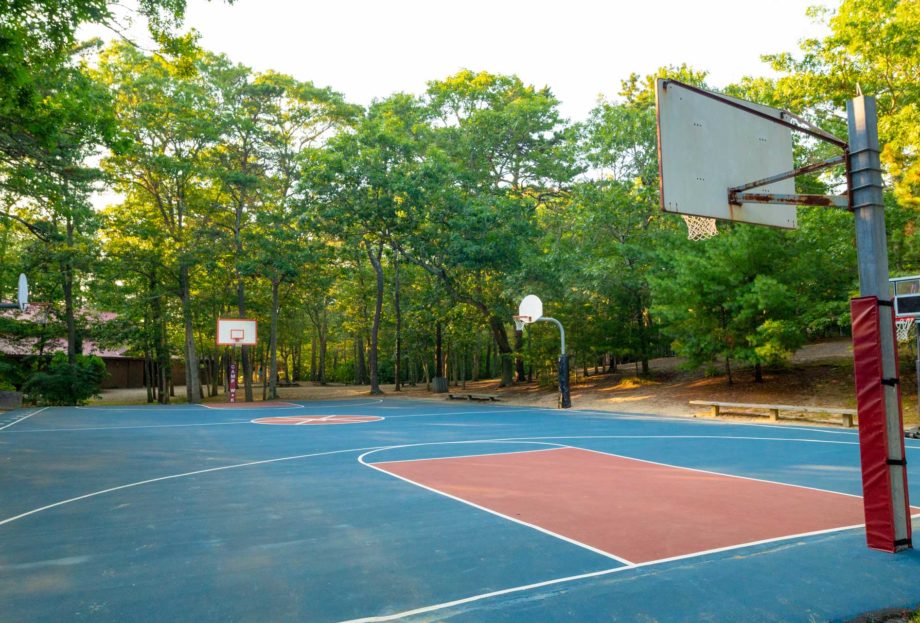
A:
[(579, 48)]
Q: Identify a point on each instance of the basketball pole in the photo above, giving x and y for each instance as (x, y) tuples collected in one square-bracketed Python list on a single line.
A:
[(565, 396), (872, 257)]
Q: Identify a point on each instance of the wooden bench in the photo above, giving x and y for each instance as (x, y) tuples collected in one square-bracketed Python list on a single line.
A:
[(483, 397), (846, 415)]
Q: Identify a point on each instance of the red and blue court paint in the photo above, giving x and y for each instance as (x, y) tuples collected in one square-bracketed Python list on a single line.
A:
[(433, 513)]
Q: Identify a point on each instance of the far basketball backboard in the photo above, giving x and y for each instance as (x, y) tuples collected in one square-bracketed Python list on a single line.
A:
[(236, 332), (905, 292), (23, 299), (707, 145)]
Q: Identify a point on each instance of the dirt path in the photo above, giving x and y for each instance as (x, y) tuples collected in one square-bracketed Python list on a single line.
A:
[(819, 374)]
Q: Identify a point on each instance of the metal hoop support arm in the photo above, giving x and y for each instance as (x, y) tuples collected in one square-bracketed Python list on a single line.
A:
[(558, 324)]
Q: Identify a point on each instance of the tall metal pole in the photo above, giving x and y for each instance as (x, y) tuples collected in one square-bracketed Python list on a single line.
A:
[(917, 363), (565, 397), (872, 255)]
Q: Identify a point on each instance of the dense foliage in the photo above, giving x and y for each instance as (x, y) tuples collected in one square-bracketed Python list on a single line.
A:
[(367, 241)]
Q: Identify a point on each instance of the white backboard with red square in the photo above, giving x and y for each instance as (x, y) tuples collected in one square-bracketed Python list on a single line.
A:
[(236, 332)]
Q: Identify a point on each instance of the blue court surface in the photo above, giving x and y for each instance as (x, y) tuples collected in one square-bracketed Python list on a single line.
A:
[(385, 510)]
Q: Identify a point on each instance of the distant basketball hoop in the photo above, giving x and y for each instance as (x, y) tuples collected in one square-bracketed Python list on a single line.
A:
[(236, 332)]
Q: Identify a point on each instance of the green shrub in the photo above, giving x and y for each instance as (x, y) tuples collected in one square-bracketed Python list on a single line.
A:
[(66, 384)]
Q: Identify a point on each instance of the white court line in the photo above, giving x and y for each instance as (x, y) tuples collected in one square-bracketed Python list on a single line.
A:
[(173, 476), (333, 405), (712, 473), (26, 417), (468, 456), (722, 437), (149, 409), (290, 405), (435, 414), (489, 510), (583, 576), (82, 428)]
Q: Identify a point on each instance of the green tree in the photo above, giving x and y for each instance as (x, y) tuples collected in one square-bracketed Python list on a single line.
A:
[(500, 151), (165, 108)]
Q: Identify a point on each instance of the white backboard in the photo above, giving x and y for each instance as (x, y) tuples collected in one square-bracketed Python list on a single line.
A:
[(23, 297), (236, 332), (706, 147), (531, 306)]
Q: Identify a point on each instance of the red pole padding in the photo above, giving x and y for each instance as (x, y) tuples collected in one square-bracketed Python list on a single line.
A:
[(873, 426)]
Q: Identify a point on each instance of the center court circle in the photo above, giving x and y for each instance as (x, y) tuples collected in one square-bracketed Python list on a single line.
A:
[(316, 420)]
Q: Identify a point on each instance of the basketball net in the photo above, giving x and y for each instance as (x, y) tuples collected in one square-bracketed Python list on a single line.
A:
[(902, 327), (520, 321), (700, 227)]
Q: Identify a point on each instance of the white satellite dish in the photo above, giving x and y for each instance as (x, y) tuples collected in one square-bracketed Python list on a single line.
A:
[(23, 292)]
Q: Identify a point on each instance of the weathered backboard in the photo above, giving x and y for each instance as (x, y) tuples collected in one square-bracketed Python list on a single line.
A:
[(706, 146), (905, 292), (236, 332)]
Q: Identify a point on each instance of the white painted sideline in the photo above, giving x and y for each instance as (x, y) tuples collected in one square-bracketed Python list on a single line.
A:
[(183, 475), (23, 418), (573, 578), (78, 429)]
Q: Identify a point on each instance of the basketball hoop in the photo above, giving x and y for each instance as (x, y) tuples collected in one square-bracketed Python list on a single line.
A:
[(902, 327), (699, 227), (520, 321)]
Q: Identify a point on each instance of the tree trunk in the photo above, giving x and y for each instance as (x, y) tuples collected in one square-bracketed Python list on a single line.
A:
[(273, 345), (477, 352), (321, 369), (245, 355), (758, 373), (161, 350), (397, 365), (192, 384), (504, 349), (360, 367), (519, 360), (728, 370), (313, 370), (462, 360), (438, 352), (67, 283), (642, 322), (374, 255), (148, 375)]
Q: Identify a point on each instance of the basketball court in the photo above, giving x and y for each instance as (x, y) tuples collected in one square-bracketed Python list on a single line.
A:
[(410, 510)]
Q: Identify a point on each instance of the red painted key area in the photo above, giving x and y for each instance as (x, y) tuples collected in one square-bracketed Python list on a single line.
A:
[(635, 510)]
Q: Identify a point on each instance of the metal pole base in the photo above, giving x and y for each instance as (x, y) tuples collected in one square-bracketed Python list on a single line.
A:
[(565, 399)]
